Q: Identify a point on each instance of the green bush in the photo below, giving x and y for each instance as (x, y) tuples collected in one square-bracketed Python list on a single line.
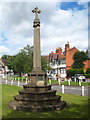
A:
[(87, 75), (88, 71), (72, 72)]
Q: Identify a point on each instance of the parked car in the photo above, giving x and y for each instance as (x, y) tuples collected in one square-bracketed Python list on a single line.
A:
[(78, 77)]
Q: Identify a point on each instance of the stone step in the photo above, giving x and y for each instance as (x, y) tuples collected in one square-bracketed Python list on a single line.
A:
[(28, 99), (17, 106), (35, 93), (37, 88)]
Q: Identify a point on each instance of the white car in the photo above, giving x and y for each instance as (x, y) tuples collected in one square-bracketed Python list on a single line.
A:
[(78, 77)]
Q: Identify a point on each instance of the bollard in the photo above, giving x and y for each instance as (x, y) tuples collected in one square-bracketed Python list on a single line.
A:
[(11, 82), (79, 83), (75, 79), (50, 82), (82, 90), (18, 82), (69, 82), (62, 89), (65, 79), (26, 81), (59, 81), (6, 81)]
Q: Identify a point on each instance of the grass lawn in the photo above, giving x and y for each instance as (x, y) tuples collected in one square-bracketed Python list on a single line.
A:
[(77, 106), (71, 83)]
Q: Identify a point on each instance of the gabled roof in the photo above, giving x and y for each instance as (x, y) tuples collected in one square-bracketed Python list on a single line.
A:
[(56, 56), (74, 49)]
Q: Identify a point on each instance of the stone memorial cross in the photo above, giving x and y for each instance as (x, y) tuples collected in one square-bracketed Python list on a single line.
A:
[(37, 52)]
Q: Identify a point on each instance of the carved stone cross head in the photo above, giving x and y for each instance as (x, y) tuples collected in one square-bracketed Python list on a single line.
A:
[(36, 10)]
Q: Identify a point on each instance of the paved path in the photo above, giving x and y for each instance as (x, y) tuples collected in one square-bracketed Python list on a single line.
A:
[(72, 90), (67, 89)]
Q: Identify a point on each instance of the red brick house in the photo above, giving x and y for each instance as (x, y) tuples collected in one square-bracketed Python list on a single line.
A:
[(69, 52), (62, 61)]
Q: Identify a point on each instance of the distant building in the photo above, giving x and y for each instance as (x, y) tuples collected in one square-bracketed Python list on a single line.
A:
[(58, 63), (3, 69), (61, 61)]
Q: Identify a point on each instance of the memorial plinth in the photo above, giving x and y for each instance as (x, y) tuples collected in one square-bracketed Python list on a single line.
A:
[(37, 98), (37, 95)]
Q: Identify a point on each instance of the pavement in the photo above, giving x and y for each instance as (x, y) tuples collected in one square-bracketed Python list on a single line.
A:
[(76, 90)]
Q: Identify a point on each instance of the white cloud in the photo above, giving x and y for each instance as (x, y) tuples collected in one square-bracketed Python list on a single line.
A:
[(4, 50), (57, 26)]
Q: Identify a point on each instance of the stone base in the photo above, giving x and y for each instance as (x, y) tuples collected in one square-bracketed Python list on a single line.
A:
[(37, 78), (37, 98)]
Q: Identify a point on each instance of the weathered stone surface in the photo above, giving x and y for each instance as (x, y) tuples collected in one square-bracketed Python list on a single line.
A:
[(37, 98), (37, 78)]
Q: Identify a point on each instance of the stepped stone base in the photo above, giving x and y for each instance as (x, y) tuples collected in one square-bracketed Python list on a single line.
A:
[(37, 98)]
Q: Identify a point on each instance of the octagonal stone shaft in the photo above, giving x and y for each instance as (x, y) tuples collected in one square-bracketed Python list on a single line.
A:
[(37, 52)]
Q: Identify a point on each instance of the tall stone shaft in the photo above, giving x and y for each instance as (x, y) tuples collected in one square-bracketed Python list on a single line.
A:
[(37, 52)]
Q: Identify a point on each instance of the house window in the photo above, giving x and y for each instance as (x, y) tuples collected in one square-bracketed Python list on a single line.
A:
[(59, 62), (53, 62), (62, 70), (62, 61)]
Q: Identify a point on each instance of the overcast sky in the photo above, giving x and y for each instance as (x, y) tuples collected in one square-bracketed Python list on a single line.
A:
[(61, 22)]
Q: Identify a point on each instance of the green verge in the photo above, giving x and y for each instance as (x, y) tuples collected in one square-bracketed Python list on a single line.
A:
[(71, 83), (77, 107), (53, 81), (0, 101)]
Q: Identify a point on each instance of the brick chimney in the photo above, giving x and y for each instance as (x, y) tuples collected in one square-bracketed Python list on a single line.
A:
[(67, 47), (68, 57)]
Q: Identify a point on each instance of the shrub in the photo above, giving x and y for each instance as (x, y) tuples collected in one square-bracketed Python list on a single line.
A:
[(87, 75), (88, 71), (72, 72)]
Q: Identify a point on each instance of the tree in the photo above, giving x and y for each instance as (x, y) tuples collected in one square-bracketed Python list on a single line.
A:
[(8, 61), (28, 50), (23, 61), (45, 63), (88, 71), (5, 58), (79, 58)]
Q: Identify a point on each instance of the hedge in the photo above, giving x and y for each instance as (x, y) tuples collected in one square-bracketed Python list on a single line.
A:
[(87, 75), (88, 71), (72, 72)]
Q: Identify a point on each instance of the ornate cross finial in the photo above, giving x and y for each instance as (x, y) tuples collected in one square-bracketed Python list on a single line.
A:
[(36, 10)]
